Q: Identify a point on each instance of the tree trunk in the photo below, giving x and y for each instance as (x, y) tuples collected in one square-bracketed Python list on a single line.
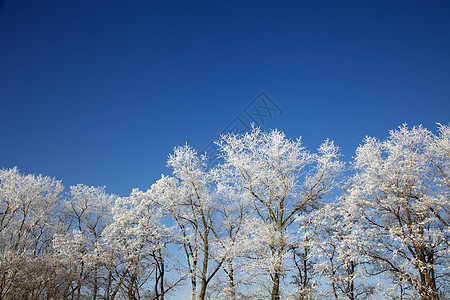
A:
[(130, 286), (276, 286), (108, 286), (193, 285), (80, 278), (95, 287), (428, 288), (161, 279), (276, 277), (231, 280), (352, 282), (204, 272)]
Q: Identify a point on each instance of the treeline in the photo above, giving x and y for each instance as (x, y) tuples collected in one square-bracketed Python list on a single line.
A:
[(272, 221)]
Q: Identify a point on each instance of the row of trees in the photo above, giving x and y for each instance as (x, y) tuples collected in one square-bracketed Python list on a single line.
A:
[(273, 220)]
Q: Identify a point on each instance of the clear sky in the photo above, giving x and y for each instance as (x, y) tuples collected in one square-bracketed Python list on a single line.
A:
[(99, 92)]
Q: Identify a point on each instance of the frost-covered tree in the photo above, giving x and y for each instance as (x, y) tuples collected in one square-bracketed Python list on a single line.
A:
[(87, 211), (304, 259), (240, 224), (280, 179), (189, 199), (331, 233), (400, 195), (230, 238), (438, 153), (27, 224), (135, 249)]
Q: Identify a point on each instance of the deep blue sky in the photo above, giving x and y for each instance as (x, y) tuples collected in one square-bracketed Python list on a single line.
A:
[(99, 92)]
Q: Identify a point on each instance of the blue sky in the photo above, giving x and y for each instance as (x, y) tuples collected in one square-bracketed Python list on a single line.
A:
[(99, 92)]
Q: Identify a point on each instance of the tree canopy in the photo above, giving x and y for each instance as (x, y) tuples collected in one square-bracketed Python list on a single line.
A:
[(271, 220)]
